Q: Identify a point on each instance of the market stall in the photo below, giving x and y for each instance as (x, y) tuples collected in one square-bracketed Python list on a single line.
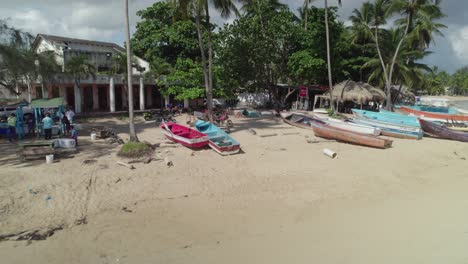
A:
[(54, 106)]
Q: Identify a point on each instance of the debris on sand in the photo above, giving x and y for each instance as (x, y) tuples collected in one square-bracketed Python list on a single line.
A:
[(33, 234), (89, 161), (121, 163), (252, 131)]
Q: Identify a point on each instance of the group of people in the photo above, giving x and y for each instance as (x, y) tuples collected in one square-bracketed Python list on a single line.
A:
[(47, 124)]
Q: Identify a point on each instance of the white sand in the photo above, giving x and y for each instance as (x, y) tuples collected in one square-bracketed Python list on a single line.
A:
[(282, 201)]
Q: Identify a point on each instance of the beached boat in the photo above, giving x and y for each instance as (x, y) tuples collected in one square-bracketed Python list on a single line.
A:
[(391, 129), (353, 127), (184, 135), (219, 140), (442, 132), (324, 130), (388, 117), (433, 115)]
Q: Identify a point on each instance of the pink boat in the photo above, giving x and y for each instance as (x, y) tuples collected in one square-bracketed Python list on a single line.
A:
[(184, 135)]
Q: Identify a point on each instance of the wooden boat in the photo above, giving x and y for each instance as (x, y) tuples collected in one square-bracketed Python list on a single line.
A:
[(388, 117), (440, 116), (184, 135), (353, 127), (390, 129), (219, 140), (324, 130), (442, 132)]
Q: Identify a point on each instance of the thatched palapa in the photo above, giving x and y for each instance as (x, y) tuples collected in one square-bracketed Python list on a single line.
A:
[(351, 91), (378, 95)]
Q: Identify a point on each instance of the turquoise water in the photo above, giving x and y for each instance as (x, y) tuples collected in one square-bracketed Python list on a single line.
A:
[(460, 104)]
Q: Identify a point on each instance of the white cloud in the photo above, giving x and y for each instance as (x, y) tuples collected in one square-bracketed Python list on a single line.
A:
[(459, 39)]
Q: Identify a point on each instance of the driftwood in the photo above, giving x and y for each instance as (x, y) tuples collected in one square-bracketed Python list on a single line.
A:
[(251, 131), (290, 133), (268, 135), (121, 163), (319, 141)]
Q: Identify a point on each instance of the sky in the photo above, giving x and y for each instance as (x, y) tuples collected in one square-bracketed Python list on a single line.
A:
[(104, 20)]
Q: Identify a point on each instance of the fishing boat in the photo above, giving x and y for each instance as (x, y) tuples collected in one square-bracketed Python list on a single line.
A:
[(183, 135), (388, 117), (390, 129), (324, 130), (353, 127), (442, 131), (219, 140), (434, 115)]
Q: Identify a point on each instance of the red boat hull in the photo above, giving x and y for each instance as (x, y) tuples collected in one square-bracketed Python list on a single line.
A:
[(184, 135), (434, 115)]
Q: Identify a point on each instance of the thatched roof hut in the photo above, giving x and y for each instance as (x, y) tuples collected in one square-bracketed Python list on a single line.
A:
[(351, 91), (378, 95)]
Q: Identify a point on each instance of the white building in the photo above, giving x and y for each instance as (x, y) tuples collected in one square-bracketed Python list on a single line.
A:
[(105, 92)]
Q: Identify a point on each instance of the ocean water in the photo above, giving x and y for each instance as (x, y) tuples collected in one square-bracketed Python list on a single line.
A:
[(460, 104)]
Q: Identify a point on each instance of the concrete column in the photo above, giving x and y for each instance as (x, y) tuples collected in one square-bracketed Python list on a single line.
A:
[(33, 91), (166, 101), (95, 97), (112, 95), (45, 94), (124, 97), (142, 94), (77, 93), (149, 97), (186, 103), (62, 91), (49, 91)]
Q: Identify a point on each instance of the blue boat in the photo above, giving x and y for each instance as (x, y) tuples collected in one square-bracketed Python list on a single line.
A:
[(219, 140), (390, 129), (388, 117), (436, 109)]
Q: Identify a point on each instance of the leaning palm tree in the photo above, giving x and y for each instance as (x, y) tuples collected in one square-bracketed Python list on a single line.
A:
[(330, 82), (131, 121), (79, 68), (413, 11), (201, 9)]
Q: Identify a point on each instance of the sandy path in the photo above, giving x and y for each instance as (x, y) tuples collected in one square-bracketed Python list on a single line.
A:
[(281, 201)]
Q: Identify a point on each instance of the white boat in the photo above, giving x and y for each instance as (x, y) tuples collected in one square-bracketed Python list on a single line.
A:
[(390, 129), (353, 127)]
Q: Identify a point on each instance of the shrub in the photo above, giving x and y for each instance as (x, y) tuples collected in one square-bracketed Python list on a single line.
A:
[(135, 150)]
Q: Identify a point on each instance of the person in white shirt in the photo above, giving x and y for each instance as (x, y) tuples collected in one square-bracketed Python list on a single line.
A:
[(70, 115)]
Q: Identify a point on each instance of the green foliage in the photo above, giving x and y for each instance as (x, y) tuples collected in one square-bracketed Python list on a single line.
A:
[(135, 150), (185, 81), (305, 68), (80, 68)]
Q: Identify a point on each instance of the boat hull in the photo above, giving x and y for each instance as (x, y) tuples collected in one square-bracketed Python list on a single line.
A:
[(368, 130), (391, 130), (322, 129), (439, 116), (219, 141), (184, 135), (388, 117), (442, 132)]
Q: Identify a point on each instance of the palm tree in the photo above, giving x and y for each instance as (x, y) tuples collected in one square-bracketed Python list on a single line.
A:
[(306, 12), (201, 9), (366, 27), (131, 120), (330, 82), (79, 68), (251, 7), (415, 11)]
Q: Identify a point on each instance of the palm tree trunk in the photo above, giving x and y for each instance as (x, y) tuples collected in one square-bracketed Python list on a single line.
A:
[(384, 68), (131, 121), (209, 92), (390, 74), (306, 14), (203, 57), (330, 82)]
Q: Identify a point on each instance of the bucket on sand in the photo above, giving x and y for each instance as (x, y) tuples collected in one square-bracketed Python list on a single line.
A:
[(330, 153), (49, 158), (93, 136)]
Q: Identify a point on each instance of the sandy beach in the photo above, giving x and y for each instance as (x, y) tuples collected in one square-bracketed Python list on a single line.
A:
[(279, 201)]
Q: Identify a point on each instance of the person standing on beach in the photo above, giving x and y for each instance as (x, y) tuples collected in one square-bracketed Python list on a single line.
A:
[(74, 135), (47, 122), (11, 127), (66, 123), (70, 115)]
